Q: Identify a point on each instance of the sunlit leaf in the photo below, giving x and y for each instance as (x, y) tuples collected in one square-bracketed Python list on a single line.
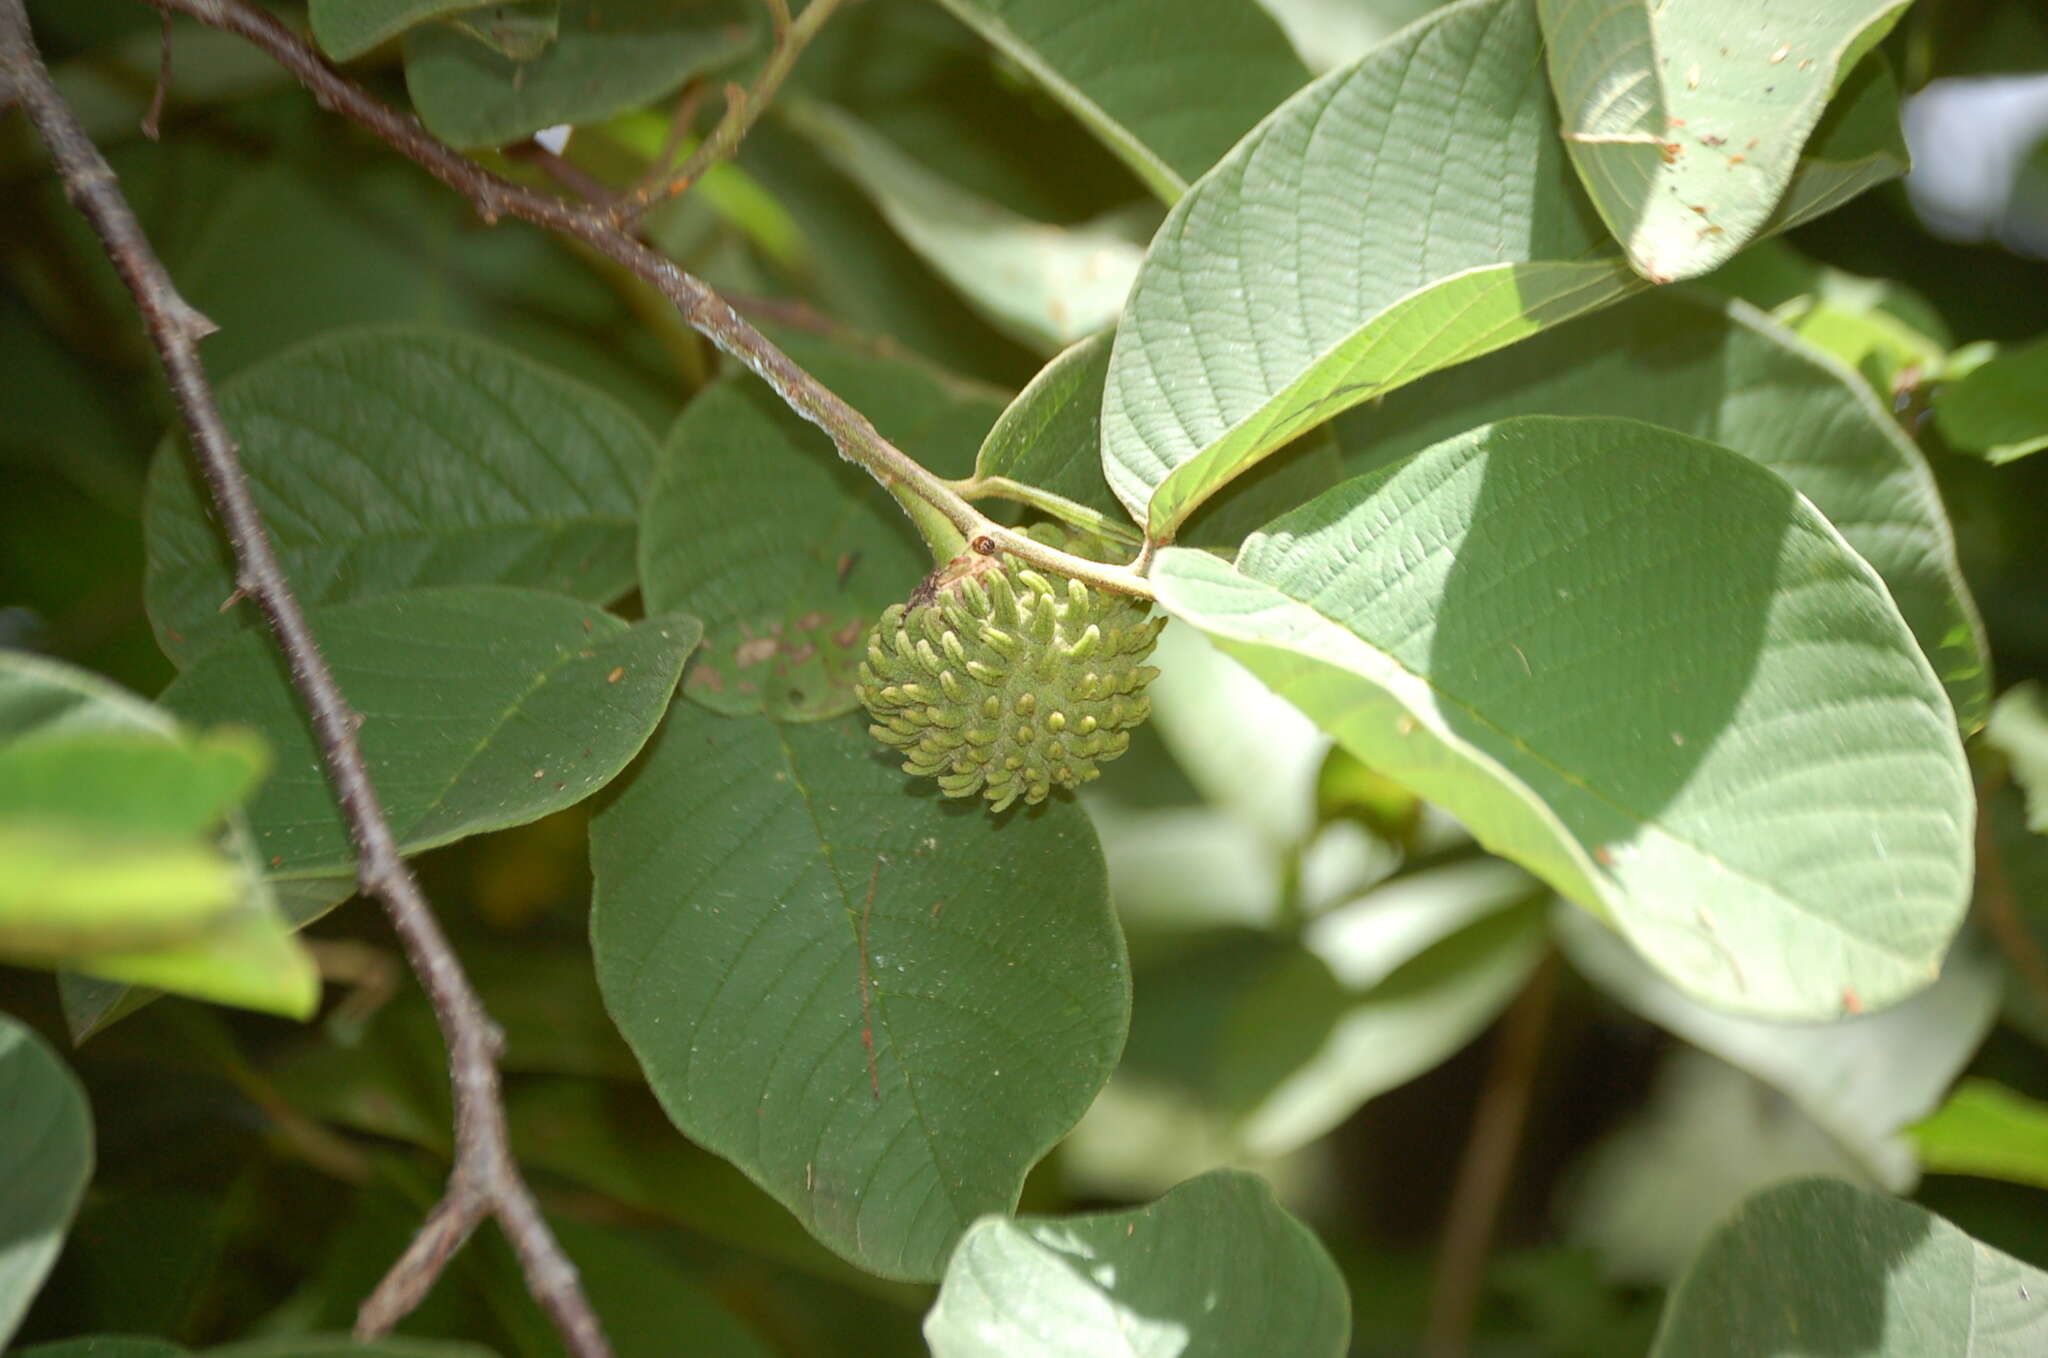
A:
[(884, 1008), (1987, 1130), (2019, 727), (1214, 1269), (1715, 731)]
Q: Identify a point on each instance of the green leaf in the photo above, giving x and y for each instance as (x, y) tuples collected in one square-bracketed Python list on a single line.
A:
[(1987, 1130), (345, 29), (788, 553), (1050, 436), (482, 708), (1401, 215), (1043, 285), (2000, 410), (387, 459), (609, 55), (1214, 1269), (1862, 1080), (109, 842), (2019, 727), (341, 1346), (1711, 728), (1816, 1269), (246, 956), (1721, 372), (105, 1346), (1685, 121), (881, 1006), (45, 1160), (1166, 84)]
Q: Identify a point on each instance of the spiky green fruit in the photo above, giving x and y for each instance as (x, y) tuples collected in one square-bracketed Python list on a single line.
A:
[(995, 681)]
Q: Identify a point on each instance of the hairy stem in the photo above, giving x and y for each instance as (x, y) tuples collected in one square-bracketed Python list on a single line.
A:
[(709, 314), (1046, 502), (485, 1179)]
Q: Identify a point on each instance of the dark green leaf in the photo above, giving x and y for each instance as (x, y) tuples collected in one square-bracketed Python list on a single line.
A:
[(388, 459), (1051, 435), (1215, 1269), (1721, 372), (1715, 730), (609, 55), (1166, 84), (754, 524), (882, 1007), (105, 1346), (348, 28), (45, 1160), (1987, 1130), (1817, 1269), (341, 1346), (482, 707)]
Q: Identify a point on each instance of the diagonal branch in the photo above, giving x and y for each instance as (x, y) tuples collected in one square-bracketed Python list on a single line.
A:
[(709, 314), (485, 1180)]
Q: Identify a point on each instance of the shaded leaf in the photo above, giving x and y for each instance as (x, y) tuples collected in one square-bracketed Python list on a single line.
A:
[(341, 1346), (788, 553), (482, 708), (45, 1159), (387, 459), (1400, 215), (2019, 727), (1862, 1080), (1714, 730), (609, 55), (1987, 1130), (2000, 409), (1721, 372), (105, 1346), (1818, 1268), (1214, 1269), (1686, 120), (883, 1008), (1086, 53), (246, 956), (1044, 285), (346, 29)]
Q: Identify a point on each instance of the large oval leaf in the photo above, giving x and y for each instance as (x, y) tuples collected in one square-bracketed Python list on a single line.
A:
[(386, 459), (1166, 84), (45, 1160), (881, 1006), (482, 708), (1408, 212), (1215, 1269), (1723, 372), (1686, 119), (1644, 668), (1816, 1269), (755, 524)]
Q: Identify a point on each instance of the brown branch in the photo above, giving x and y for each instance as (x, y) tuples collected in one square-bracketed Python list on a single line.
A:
[(152, 118), (1488, 1166), (709, 314), (743, 108), (485, 1179)]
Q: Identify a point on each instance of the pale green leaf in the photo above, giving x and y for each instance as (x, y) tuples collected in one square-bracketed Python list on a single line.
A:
[(1862, 1079), (482, 708), (45, 1160), (1215, 1269), (1685, 118), (1987, 1130), (1400, 215), (345, 29), (1818, 1269), (390, 458), (1045, 286), (2019, 727), (246, 956), (883, 1007), (1166, 84), (1721, 372), (608, 55), (787, 552), (2000, 410), (1711, 727)]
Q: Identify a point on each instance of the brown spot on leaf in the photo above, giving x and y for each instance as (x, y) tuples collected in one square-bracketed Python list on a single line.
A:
[(751, 653), (618, 673)]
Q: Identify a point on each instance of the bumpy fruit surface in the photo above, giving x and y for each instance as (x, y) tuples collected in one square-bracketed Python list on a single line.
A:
[(994, 680)]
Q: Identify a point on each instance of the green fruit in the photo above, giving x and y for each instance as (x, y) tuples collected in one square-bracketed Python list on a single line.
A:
[(995, 681)]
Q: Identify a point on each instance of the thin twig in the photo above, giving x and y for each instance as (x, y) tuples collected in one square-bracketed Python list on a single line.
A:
[(152, 120), (709, 314), (485, 1179), (1488, 1166), (1059, 506), (743, 108)]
